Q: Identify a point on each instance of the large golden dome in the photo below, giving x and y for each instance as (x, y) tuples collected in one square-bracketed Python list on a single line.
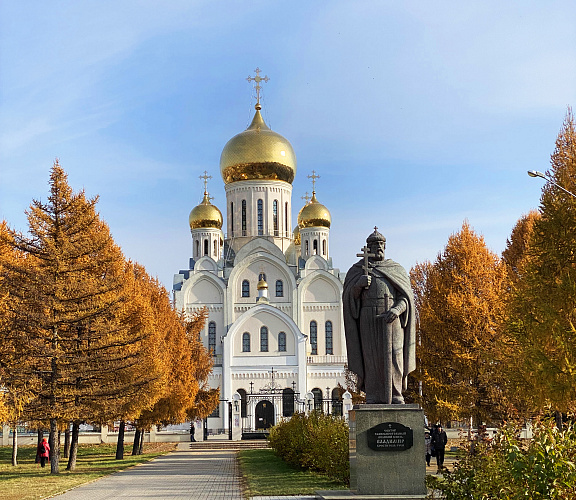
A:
[(314, 214), (258, 153), (205, 215)]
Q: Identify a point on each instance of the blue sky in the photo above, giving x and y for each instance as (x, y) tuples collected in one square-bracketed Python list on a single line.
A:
[(416, 115)]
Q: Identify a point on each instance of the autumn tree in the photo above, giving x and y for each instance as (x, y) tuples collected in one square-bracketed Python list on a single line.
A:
[(460, 310), (73, 321), (543, 308)]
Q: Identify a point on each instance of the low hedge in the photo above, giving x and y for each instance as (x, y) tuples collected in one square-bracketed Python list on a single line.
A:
[(315, 441)]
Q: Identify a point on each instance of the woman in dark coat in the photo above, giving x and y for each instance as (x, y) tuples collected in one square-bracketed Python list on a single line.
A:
[(439, 442)]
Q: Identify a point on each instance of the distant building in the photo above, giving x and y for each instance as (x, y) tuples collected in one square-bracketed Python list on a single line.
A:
[(275, 322)]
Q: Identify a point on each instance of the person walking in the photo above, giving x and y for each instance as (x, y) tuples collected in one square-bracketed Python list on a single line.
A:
[(439, 442), (428, 445), (43, 452)]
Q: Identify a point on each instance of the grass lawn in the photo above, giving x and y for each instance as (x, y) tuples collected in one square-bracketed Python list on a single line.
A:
[(28, 481), (267, 474)]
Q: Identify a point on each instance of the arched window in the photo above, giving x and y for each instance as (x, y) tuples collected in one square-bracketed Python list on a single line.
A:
[(243, 403), (260, 218), (317, 398), (286, 218), (264, 339), (245, 342), (314, 337), (245, 288), (232, 219), (243, 217), (282, 342), (215, 248), (279, 288), (315, 247), (307, 248), (337, 402), (275, 216), (287, 402), (212, 337), (323, 247), (197, 253), (205, 247), (328, 331)]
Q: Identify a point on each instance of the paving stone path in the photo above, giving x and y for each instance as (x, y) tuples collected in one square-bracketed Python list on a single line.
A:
[(182, 474)]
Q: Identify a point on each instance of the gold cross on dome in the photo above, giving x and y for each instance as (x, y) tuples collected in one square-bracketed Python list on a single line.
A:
[(258, 79), (313, 177), (306, 197), (205, 177)]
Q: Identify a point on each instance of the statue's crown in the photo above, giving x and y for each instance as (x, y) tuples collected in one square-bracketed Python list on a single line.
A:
[(375, 236)]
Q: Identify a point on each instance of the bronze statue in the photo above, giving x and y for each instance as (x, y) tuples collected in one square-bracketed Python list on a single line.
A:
[(379, 324)]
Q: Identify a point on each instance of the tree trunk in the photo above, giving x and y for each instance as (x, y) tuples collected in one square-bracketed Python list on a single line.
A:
[(67, 443), (559, 420), (136, 444), (40, 432), (73, 446), (15, 446), (54, 447), (120, 444), (141, 447)]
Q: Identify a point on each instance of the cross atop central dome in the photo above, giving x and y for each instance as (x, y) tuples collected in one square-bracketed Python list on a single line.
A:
[(258, 153)]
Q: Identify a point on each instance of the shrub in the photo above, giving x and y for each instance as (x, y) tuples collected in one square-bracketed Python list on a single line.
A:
[(316, 441), (543, 468)]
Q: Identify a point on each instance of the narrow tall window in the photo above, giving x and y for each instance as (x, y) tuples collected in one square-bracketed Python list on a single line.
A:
[(329, 345), (282, 342), (315, 247), (206, 247), (245, 342), (215, 248), (243, 403), (197, 249), (286, 218), (275, 216), (323, 247), (212, 337), (243, 217), (260, 218), (287, 402), (232, 219), (264, 339), (245, 288), (314, 337), (279, 288), (307, 248)]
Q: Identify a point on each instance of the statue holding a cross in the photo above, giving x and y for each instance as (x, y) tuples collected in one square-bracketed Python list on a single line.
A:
[(379, 324)]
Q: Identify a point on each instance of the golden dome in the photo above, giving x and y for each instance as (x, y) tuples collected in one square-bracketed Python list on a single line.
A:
[(296, 234), (205, 215), (258, 153), (262, 285), (314, 214)]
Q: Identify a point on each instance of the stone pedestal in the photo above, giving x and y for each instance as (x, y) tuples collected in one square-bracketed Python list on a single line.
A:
[(387, 453)]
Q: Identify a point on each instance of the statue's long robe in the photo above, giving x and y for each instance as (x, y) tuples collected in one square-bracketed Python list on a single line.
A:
[(378, 352)]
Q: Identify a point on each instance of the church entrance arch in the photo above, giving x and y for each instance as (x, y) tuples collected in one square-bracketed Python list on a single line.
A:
[(264, 414)]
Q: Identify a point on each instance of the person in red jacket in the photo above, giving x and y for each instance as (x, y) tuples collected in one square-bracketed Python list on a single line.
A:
[(43, 452)]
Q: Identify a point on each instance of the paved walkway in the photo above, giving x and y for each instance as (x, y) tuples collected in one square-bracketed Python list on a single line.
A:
[(182, 474)]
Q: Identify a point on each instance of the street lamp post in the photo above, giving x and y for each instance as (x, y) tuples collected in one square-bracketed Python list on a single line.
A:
[(535, 173)]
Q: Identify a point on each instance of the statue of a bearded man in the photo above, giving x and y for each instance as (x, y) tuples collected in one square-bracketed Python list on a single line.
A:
[(379, 324)]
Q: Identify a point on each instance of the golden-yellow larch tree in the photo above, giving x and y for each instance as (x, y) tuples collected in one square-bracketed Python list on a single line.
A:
[(543, 308), (460, 312)]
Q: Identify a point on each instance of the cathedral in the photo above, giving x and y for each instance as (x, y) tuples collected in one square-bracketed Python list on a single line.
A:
[(274, 300)]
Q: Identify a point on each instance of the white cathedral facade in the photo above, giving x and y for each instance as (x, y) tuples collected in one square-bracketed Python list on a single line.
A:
[(275, 322)]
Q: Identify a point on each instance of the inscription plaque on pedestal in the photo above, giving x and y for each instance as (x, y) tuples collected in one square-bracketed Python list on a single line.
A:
[(390, 436)]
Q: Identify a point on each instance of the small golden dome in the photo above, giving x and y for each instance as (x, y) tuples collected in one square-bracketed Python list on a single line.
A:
[(258, 153), (205, 215), (314, 214), (262, 285), (296, 234)]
